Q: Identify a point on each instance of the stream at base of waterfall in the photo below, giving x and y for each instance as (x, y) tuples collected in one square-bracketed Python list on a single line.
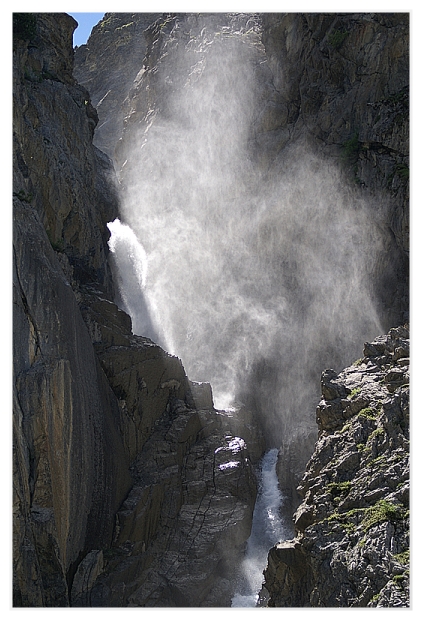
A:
[(268, 528)]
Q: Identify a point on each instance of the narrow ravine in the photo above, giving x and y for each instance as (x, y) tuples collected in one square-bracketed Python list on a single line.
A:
[(269, 526)]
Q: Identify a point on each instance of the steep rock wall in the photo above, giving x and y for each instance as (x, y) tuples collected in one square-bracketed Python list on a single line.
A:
[(105, 423), (332, 86), (342, 82), (71, 471), (108, 65)]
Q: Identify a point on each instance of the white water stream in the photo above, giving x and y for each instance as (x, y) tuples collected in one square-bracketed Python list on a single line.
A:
[(268, 528)]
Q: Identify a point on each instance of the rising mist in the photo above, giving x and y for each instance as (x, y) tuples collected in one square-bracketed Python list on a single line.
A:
[(257, 277)]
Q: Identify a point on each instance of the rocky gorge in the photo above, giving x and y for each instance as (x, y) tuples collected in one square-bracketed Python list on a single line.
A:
[(133, 486)]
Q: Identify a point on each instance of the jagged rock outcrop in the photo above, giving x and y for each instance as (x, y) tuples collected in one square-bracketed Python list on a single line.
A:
[(116, 454), (352, 529)]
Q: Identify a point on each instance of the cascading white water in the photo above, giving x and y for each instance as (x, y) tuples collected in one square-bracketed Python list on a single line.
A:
[(268, 528)]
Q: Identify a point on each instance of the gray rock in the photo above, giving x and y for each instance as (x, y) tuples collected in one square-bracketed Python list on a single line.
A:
[(352, 544)]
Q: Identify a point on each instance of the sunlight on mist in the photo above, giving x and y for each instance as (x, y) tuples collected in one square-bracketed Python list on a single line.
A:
[(257, 279)]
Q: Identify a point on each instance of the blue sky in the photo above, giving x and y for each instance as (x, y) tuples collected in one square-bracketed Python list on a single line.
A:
[(86, 22)]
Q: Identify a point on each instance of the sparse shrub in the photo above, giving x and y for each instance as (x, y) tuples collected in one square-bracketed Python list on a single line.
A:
[(403, 171), (350, 149), (398, 579), (362, 542), (354, 392), (375, 598), (380, 460), (380, 512), (403, 558), (345, 428), (339, 488), (348, 520), (22, 195), (376, 433), (368, 413), (57, 245)]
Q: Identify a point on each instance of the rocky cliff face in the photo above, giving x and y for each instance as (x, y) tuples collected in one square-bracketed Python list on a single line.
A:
[(352, 529), (108, 65), (118, 458), (342, 81), (130, 488), (330, 90)]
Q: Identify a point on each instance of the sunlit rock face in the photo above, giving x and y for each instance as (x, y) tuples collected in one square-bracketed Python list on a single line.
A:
[(352, 528), (107, 66)]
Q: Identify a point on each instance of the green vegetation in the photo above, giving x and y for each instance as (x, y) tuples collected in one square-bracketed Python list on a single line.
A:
[(398, 579), (348, 520), (403, 558), (354, 392), (345, 428), (380, 512), (57, 245), (368, 414), (376, 433), (350, 149), (379, 461), (339, 488), (397, 97), (350, 154), (105, 22), (24, 26), (336, 38), (403, 171), (362, 542), (125, 26)]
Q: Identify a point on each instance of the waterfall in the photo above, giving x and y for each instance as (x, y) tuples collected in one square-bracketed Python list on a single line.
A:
[(261, 260), (259, 276), (268, 528)]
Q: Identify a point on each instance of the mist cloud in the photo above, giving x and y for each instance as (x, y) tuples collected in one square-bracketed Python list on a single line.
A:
[(257, 280)]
